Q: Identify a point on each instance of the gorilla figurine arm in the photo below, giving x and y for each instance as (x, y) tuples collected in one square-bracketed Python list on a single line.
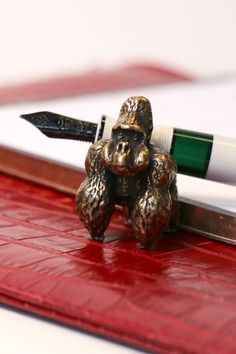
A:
[(94, 197), (156, 208), (163, 169), (163, 175)]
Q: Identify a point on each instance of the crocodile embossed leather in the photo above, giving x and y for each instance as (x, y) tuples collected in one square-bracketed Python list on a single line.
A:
[(179, 298)]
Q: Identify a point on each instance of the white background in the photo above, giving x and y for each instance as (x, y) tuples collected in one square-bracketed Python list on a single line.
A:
[(46, 38), (49, 37)]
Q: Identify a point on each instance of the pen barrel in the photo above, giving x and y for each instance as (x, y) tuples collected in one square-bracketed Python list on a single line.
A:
[(196, 154)]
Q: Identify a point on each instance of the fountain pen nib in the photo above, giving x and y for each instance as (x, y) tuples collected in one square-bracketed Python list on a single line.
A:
[(58, 126)]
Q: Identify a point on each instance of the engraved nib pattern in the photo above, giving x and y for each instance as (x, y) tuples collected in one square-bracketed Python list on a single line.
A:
[(56, 125)]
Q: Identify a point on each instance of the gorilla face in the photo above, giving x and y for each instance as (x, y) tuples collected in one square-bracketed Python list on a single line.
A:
[(126, 153)]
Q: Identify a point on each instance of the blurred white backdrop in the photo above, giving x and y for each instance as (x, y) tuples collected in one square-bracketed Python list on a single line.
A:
[(50, 37)]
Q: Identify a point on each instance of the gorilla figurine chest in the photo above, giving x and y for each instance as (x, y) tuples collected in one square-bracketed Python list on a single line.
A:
[(126, 189)]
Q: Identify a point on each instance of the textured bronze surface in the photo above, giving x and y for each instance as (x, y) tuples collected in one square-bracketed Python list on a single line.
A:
[(128, 171)]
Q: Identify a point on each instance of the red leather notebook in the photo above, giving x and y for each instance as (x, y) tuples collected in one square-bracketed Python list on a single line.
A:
[(178, 298)]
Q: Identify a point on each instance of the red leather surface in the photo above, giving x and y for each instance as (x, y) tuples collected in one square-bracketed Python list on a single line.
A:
[(91, 82), (179, 298)]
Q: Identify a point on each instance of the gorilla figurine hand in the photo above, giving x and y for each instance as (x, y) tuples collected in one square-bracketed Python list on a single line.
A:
[(127, 170)]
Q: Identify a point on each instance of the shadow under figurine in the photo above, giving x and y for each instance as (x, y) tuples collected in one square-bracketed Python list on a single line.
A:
[(127, 170)]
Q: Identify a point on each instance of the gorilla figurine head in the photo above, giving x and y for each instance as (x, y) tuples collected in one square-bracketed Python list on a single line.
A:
[(128, 151)]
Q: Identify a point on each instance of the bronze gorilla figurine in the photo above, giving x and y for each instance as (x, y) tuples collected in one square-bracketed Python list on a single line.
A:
[(128, 171)]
